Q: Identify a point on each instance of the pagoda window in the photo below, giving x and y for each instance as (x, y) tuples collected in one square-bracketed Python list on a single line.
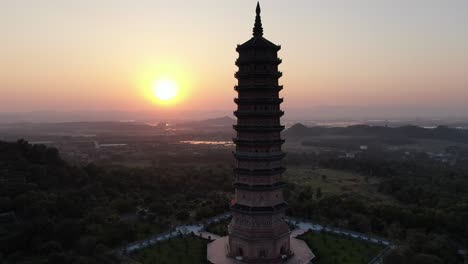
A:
[(262, 253)]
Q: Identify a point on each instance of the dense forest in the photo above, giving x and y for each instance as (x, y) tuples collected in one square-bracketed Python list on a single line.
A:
[(51, 212), (404, 133), (54, 212), (426, 215)]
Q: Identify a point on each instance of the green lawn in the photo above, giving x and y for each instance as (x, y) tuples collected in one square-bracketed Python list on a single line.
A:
[(328, 248), (188, 250), (334, 249)]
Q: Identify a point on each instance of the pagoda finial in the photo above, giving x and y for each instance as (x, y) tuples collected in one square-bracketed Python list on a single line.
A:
[(258, 29)]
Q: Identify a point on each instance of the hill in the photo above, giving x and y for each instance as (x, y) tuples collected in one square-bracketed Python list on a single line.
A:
[(224, 121), (299, 131)]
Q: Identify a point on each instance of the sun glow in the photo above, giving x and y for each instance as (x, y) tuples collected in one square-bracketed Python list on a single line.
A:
[(165, 90), (167, 84)]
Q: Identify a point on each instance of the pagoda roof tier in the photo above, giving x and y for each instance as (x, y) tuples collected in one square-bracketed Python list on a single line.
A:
[(258, 42), (258, 60), (258, 87), (259, 155), (255, 142), (257, 128), (258, 100), (259, 210), (269, 172), (246, 75), (265, 187), (240, 113)]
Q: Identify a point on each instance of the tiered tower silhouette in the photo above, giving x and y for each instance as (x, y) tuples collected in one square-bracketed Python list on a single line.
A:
[(258, 232)]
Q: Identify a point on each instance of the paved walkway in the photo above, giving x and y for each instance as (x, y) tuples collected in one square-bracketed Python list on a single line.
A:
[(303, 225), (306, 225), (197, 229), (297, 232)]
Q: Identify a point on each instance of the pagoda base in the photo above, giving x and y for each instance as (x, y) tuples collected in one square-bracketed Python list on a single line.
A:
[(217, 253)]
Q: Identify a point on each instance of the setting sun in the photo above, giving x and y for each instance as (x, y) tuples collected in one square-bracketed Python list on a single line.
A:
[(165, 84), (165, 90)]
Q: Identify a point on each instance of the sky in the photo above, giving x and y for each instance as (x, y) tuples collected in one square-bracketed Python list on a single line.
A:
[(88, 55)]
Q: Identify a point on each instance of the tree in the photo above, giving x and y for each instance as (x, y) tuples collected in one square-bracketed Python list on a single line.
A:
[(306, 194), (122, 205), (318, 193), (182, 215), (395, 256), (50, 247), (426, 259)]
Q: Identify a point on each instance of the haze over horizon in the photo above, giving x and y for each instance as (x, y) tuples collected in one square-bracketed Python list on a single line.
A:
[(432, 116), (339, 58)]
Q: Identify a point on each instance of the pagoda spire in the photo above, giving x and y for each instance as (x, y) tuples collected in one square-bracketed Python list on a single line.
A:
[(258, 29)]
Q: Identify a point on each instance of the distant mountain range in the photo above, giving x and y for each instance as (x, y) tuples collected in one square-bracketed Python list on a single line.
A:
[(98, 116), (221, 127), (212, 122), (300, 131), (292, 114)]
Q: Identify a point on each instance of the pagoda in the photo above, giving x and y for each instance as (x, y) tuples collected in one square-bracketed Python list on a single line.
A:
[(258, 232)]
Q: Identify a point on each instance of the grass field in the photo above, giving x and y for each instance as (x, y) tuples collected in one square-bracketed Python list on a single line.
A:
[(335, 182), (188, 250), (334, 249)]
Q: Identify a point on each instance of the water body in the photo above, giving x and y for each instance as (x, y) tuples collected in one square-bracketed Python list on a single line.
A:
[(111, 145), (202, 142)]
